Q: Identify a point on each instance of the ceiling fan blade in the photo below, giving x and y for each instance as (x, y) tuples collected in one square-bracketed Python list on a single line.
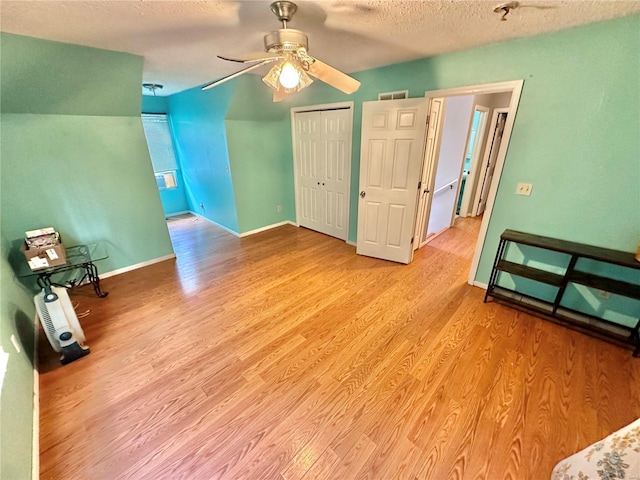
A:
[(279, 95), (237, 74), (333, 77), (252, 57)]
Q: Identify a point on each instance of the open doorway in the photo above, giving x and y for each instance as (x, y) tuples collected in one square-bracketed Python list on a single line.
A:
[(477, 153)]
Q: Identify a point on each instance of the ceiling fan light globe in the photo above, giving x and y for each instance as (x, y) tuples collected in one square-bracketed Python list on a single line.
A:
[(289, 76), (273, 77)]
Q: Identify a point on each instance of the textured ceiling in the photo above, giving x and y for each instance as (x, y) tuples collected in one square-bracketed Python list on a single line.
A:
[(180, 39)]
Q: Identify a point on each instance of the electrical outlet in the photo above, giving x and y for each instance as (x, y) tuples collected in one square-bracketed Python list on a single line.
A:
[(279, 208), (524, 189)]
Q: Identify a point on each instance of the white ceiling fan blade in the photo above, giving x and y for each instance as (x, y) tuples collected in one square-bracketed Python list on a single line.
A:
[(333, 77), (237, 74), (279, 95), (252, 57)]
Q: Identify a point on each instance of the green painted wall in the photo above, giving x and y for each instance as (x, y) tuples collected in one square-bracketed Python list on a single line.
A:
[(252, 100), (262, 172), (79, 165), (73, 156), (16, 398), (61, 79), (575, 137), (261, 165), (89, 177)]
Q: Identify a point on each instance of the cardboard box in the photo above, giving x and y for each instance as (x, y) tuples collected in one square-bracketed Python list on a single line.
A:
[(44, 253)]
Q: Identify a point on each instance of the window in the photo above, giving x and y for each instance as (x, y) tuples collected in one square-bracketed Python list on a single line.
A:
[(166, 180), (163, 156)]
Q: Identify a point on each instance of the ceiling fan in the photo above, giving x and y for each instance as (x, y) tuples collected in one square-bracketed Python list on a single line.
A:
[(289, 48)]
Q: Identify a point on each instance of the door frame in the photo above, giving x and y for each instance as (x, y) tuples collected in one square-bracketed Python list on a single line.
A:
[(493, 125), (476, 154), (515, 87), (318, 108)]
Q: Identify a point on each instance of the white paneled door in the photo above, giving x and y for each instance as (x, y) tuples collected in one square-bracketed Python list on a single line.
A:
[(308, 142), (432, 152), (323, 170), (392, 152)]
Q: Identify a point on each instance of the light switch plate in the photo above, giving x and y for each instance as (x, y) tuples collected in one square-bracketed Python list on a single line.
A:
[(524, 189)]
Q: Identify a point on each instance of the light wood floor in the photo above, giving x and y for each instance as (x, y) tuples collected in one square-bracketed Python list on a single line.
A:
[(284, 355)]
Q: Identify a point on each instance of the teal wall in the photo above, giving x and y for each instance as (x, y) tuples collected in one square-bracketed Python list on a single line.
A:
[(616, 308), (234, 145), (90, 177), (262, 172), (152, 104), (575, 136), (174, 200), (197, 124), (60, 79), (81, 166), (16, 398), (73, 156)]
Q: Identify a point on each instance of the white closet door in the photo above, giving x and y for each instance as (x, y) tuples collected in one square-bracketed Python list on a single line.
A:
[(336, 161), (323, 170), (308, 155)]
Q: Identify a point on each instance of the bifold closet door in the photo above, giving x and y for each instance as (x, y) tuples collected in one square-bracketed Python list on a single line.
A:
[(323, 161)]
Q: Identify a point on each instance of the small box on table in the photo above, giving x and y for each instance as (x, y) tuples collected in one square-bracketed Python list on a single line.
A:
[(43, 248)]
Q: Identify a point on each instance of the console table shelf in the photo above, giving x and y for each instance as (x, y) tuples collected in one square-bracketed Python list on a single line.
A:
[(530, 273), (554, 310)]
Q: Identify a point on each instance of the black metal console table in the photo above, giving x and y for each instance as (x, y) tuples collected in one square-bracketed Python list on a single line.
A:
[(79, 257), (555, 310)]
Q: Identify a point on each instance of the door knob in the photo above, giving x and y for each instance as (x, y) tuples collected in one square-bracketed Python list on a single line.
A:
[(362, 194)]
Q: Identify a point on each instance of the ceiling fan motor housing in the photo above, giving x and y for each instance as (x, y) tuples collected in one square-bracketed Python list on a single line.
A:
[(284, 10), (285, 39)]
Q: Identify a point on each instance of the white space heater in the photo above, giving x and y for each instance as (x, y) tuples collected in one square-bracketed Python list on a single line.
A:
[(60, 323)]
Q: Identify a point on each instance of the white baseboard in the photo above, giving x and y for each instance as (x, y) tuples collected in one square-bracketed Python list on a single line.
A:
[(215, 223), (268, 227), (136, 266), (484, 286), (35, 443), (175, 214), (353, 244), (244, 234)]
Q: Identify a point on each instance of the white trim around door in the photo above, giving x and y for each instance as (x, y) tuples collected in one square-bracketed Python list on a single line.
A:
[(515, 87)]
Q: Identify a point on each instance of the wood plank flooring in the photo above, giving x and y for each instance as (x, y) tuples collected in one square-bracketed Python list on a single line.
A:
[(284, 355)]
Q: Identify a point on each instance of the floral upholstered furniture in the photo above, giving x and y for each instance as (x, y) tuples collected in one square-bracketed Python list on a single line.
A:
[(615, 457)]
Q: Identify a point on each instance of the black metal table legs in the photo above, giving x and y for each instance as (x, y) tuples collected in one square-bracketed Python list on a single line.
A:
[(90, 274)]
